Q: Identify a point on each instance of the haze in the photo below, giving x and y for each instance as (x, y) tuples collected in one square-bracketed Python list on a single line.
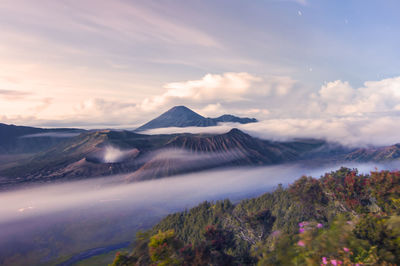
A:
[(282, 70), (120, 209), (301, 67)]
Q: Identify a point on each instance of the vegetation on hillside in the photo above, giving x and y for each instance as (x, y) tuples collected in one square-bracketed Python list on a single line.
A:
[(343, 218)]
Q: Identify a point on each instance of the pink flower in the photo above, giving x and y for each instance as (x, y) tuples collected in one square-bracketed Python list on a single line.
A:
[(324, 260), (346, 249), (320, 225), (336, 262), (301, 243), (301, 230), (302, 224)]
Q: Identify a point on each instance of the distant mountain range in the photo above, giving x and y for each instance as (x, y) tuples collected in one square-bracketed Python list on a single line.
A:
[(22, 139), (153, 156), (42, 155), (181, 116)]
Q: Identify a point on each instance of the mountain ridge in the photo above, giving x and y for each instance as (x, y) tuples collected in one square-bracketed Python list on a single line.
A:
[(24, 139), (84, 156), (142, 157), (181, 116)]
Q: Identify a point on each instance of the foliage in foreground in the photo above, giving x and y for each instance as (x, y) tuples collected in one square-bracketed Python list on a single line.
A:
[(342, 218)]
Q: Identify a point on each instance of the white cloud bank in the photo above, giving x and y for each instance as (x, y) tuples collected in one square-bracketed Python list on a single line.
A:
[(375, 97), (217, 94), (350, 131), (212, 87), (338, 112), (211, 95), (94, 195)]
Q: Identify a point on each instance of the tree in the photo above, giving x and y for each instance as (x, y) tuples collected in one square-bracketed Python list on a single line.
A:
[(164, 247)]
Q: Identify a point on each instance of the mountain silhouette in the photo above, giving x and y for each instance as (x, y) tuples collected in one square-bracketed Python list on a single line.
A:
[(181, 116)]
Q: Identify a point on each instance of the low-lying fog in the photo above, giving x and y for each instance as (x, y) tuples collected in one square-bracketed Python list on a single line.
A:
[(353, 132), (100, 212)]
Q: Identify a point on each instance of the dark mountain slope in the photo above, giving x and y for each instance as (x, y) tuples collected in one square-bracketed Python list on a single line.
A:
[(81, 156), (190, 153), (376, 154), (181, 116), (234, 148), (152, 156), (8, 132), (253, 150), (234, 119), (142, 157), (22, 139), (178, 116)]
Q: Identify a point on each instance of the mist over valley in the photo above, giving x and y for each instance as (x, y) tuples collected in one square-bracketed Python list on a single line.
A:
[(213, 132), (102, 212)]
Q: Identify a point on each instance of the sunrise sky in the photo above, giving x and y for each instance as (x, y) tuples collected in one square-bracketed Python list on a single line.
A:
[(93, 63)]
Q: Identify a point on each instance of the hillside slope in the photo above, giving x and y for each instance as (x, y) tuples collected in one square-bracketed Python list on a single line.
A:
[(142, 157), (22, 139), (343, 218), (377, 154), (189, 153), (106, 152)]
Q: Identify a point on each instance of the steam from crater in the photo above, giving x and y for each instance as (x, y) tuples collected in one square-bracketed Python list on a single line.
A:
[(113, 155)]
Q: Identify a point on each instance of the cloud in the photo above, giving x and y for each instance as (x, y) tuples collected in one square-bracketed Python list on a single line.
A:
[(238, 93), (212, 109), (53, 135), (105, 111), (142, 22), (101, 106), (374, 98), (45, 103), (189, 158), (278, 85), (13, 94), (337, 111), (352, 131), (212, 87), (88, 196), (216, 90), (228, 86), (221, 128)]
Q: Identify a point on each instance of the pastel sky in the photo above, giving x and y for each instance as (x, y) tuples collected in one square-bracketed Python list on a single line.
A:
[(113, 63)]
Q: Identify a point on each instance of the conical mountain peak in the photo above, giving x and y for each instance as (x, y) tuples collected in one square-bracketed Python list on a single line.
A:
[(179, 108), (181, 111), (181, 116)]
